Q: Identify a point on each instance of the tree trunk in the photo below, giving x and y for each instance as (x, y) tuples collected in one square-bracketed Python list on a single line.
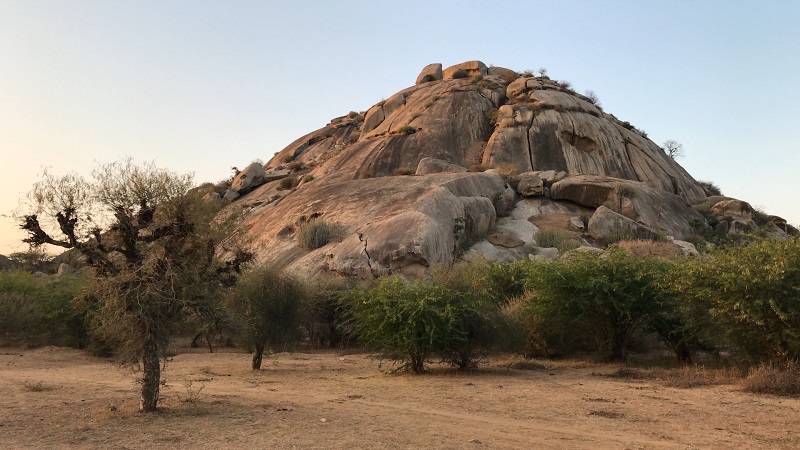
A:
[(196, 338), (258, 356), (151, 378)]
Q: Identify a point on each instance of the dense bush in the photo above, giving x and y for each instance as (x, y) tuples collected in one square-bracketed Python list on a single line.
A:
[(752, 295), (321, 316), (314, 234), (461, 73), (410, 322), (265, 310), (595, 300), (43, 310)]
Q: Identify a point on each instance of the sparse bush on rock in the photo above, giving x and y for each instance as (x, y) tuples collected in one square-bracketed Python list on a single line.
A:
[(314, 234)]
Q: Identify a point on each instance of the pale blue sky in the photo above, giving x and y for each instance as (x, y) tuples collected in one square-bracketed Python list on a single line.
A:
[(200, 86)]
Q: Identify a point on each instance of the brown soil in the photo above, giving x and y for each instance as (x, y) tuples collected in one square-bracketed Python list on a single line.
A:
[(63, 398)]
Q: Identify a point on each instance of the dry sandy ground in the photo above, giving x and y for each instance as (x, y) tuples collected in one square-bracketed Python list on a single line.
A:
[(62, 398)]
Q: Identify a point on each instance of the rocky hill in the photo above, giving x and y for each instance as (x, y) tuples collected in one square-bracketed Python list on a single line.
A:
[(471, 160)]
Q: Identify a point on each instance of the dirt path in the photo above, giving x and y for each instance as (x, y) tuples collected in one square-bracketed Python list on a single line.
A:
[(62, 398)]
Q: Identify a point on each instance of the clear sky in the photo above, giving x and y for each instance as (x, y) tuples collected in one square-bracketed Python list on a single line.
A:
[(200, 86)]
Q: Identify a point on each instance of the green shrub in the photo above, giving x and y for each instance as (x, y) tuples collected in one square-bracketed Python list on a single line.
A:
[(556, 238), (751, 294), (461, 73), (406, 129), (626, 191), (308, 178), (286, 183), (507, 280), (44, 309), (314, 234), (264, 306), (595, 300), (321, 316), (409, 322), (481, 319)]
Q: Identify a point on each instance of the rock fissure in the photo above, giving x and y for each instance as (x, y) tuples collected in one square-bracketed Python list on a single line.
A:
[(363, 239), (528, 140)]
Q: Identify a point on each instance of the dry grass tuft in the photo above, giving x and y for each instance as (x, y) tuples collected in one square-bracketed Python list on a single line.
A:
[(781, 380), (695, 376), (682, 377), (644, 248), (38, 386)]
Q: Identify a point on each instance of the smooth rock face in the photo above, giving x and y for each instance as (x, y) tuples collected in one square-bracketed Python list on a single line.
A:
[(604, 223), (687, 248), (507, 75), (480, 214), (432, 165), (65, 269), (505, 202), (506, 240), (658, 209), (575, 159), (471, 67), (387, 224), (530, 185), (252, 176), (431, 72), (230, 195), (576, 223), (733, 216)]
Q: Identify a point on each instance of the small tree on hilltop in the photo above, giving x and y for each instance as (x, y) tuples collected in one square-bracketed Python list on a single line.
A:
[(152, 244), (673, 149)]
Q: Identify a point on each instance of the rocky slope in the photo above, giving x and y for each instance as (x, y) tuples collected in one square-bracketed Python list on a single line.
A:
[(394, 181)]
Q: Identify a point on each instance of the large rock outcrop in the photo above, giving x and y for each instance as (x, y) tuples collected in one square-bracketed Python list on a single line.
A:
[(561, 162)]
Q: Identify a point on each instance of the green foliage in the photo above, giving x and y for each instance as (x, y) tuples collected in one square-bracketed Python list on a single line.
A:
[(409, 322), (557, 239), (286, 183), (595, 300), (43, 310), (152, 243), (507, 280), (459, 74), (481, 317), (405, 321), (314, 234), (321, 316), (491, 116), (265, 307), (406, 129), (752, 294), (626, 191)]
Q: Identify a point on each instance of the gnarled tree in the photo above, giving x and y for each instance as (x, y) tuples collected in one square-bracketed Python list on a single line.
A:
[(152, 243)]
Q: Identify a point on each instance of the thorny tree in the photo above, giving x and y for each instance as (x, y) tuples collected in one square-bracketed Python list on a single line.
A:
[(152, 243)]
